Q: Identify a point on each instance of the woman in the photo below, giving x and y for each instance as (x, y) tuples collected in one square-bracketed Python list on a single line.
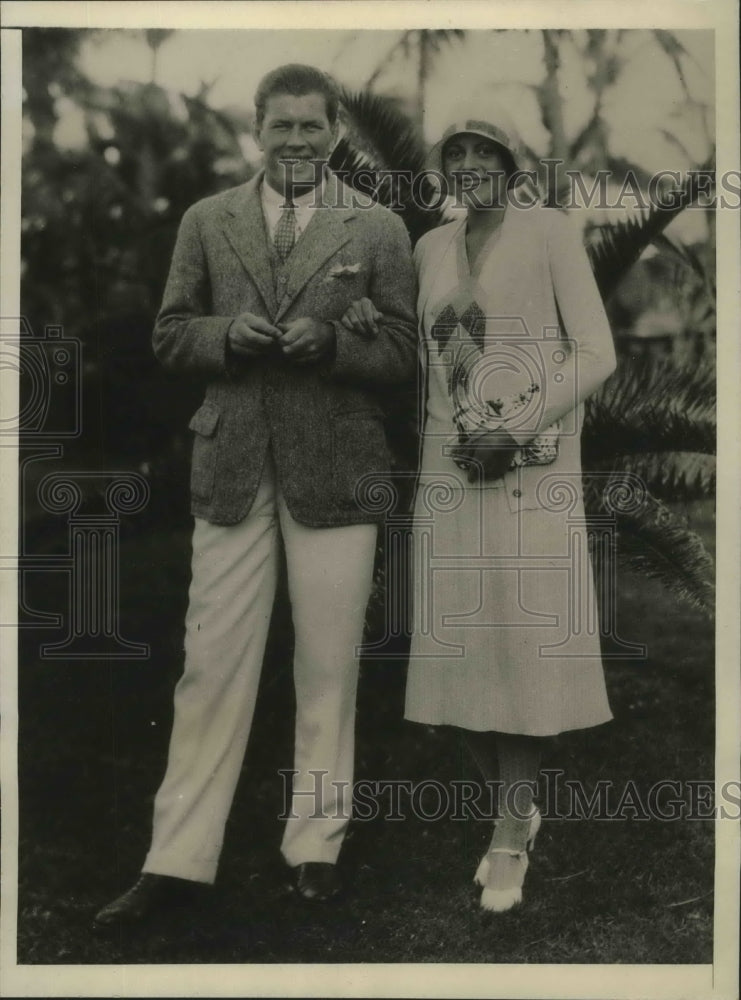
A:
[(505, 643)]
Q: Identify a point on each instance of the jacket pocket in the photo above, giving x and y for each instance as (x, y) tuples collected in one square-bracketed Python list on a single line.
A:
[(359, 449), (205, 446)]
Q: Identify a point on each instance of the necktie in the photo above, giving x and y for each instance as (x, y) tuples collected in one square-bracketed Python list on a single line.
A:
[(285, 232)]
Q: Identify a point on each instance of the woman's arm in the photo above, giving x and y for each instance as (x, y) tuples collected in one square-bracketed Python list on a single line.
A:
[(590, 354)]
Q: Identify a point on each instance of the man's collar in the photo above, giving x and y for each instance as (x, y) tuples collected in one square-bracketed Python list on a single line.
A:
[(311, 199)]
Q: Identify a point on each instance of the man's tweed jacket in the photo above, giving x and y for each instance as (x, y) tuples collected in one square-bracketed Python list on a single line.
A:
[(323, 422)]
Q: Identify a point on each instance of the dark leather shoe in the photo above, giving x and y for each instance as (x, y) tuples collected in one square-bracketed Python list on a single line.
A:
[(316, 881), (150, 895)]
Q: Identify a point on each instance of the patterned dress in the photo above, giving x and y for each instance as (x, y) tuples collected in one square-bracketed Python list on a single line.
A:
[(506, 633)]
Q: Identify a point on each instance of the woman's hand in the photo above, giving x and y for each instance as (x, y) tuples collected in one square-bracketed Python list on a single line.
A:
[(362, 318), (488, 454)]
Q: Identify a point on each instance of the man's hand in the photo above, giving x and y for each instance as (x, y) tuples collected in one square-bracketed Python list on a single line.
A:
[(306, 340), (362, 318), (251, 335), (487, 454)]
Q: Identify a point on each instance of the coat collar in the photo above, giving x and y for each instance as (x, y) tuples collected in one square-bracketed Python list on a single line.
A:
[(245, 229), (450, 239), (322, 238)]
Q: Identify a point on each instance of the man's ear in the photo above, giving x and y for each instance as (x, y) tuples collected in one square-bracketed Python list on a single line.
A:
[(258, 138)]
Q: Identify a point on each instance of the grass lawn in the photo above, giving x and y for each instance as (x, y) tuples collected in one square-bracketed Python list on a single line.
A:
[(92, 752)]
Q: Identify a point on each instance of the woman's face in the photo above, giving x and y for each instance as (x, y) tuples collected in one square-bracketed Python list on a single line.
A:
[(475, 168)]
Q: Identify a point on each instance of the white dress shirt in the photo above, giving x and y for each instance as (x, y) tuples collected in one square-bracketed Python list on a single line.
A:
[(274, 204)]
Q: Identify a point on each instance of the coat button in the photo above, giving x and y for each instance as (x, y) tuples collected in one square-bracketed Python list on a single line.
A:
[(516, 493), (283, 279)]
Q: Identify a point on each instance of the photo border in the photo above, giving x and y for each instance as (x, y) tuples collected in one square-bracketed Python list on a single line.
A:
[(431, 980)]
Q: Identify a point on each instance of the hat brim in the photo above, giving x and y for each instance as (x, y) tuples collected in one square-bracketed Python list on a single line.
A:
[(505, 141)]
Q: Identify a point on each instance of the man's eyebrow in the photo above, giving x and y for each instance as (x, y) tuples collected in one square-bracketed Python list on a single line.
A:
[(301, 121)]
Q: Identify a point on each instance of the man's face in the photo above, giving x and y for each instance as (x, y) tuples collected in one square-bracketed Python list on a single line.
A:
[(295, 131)]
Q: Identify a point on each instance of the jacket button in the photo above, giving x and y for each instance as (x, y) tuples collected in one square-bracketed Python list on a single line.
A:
[(516, 493), (283, 279), (268, 391)]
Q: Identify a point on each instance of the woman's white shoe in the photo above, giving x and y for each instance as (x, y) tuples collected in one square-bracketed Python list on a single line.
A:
[(482, 872), (507, 867)]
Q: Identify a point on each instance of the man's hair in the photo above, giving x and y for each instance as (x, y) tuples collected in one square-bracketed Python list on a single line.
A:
[(297, 80)]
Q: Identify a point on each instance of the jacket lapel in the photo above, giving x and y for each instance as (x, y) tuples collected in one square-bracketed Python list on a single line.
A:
[(326, 233), (245, 229)]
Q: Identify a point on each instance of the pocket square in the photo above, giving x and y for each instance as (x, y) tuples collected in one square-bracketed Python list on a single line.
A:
[(344, 270)]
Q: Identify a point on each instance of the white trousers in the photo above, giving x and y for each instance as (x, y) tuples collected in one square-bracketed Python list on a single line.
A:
[(231, 598)]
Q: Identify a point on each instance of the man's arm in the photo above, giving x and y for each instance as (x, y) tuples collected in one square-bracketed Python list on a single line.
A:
[(186, 338), (391, 356)]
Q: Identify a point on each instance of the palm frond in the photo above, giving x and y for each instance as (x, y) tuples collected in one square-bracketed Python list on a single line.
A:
[(675, 141), (652, 540), (621, 166), (380, 137), (670, 476), (676, 52), (385, 62), (377, 123), (649, 407), (347, 160), (614, 248), (689, 258), (441, 37), (202, 114)]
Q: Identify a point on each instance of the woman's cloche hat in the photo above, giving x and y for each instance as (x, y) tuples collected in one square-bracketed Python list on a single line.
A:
[(492, 122)]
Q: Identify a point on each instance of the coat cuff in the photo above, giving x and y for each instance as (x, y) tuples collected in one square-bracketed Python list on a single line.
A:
[(340, 359), (232, 364)]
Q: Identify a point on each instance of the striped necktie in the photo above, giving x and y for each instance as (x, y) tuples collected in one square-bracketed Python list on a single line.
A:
[(285, 232)]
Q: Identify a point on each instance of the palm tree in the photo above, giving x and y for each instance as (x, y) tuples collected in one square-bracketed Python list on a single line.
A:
[(425, 44), (155, 38), (651, 424)]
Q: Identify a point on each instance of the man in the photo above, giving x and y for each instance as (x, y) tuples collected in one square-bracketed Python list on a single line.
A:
[(291, 421)]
